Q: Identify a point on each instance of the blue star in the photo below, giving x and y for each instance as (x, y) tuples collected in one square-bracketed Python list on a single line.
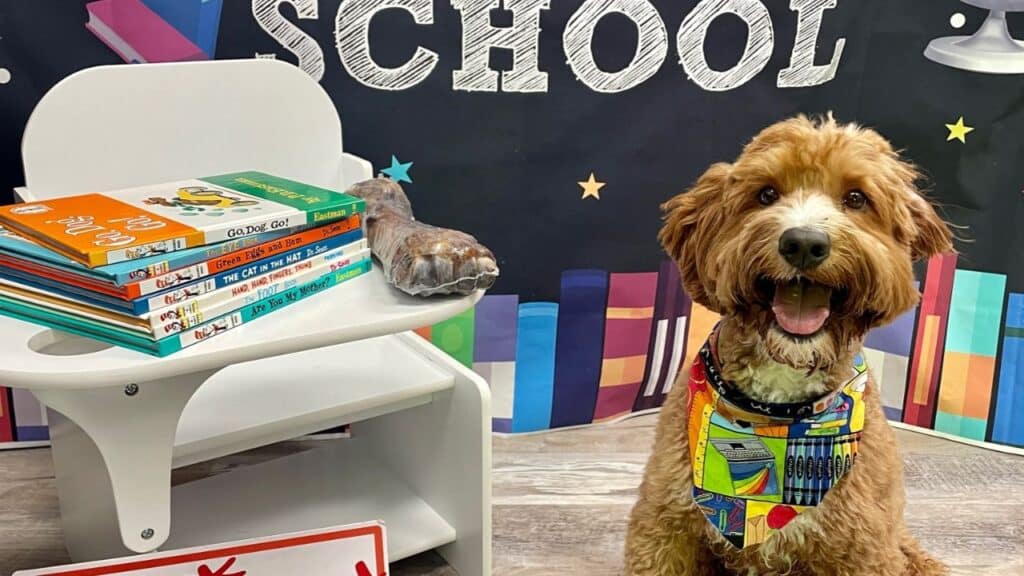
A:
[(398, 171)]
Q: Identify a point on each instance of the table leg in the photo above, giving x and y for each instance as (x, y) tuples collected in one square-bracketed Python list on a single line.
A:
[(112, 450)]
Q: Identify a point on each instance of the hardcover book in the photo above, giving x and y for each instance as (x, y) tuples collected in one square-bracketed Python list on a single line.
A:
[(127, 338), (196, 310), (121, 225), (138, 34), (184, 288), (134, 278)]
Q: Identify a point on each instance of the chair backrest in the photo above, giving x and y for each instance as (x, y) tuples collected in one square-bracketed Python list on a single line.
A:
[(126, 125)]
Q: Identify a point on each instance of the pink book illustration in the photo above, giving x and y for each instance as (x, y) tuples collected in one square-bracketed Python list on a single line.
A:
[(138, 34)]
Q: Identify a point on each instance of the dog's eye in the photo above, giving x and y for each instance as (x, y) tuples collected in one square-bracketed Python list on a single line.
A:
[(767, 196), (855, 200)]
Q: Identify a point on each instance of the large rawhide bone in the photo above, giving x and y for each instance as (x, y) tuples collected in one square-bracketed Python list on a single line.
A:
[(418, 258)]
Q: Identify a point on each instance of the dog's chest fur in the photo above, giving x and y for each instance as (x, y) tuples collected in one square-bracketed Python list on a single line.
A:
[(777, 383)]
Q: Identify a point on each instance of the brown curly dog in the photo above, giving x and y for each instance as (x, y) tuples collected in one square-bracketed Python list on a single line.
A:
[(803, 244)]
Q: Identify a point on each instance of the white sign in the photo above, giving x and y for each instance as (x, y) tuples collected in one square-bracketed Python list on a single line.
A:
[(355, 550)]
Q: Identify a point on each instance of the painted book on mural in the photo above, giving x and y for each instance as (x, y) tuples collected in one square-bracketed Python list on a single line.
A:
[(115, 226)]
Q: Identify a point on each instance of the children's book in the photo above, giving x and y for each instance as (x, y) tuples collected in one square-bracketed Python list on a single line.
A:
[(351, 550), (127, 338), (139, 34), (195, 311), (197, 20), (183, 291), (108, 227), (135, 278)]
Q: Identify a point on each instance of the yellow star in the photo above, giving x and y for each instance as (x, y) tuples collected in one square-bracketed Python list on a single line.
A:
[(958, 131), (591, 187)]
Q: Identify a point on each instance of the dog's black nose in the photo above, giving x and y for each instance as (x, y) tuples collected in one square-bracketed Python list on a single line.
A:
[(804, 248)]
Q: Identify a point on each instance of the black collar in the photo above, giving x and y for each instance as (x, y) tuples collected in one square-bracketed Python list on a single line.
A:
[(728, 391)]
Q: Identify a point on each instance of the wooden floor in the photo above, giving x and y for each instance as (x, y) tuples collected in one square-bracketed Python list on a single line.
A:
[(561, 501)]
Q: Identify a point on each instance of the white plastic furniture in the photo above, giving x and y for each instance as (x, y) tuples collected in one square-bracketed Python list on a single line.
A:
[(420, 453)]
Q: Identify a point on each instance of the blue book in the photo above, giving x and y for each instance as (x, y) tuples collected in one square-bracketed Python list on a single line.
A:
[(133, 270), (578, 354), (179, 293), (197, 20), (535, 366)]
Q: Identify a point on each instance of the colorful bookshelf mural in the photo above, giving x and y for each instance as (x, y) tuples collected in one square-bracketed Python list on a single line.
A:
[(614, 344)]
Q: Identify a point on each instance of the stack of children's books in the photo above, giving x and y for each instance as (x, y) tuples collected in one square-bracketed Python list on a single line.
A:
[(159, 268)]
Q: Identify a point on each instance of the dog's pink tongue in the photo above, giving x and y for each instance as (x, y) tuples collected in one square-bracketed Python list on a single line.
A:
[(801, 308)]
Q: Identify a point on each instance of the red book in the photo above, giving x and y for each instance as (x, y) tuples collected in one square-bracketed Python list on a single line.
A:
[(6, 418)]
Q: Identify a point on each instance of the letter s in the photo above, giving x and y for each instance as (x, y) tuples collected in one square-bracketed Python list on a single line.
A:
[(269, 17)]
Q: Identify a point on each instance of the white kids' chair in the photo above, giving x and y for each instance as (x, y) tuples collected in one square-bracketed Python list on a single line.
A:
[(420, 454)]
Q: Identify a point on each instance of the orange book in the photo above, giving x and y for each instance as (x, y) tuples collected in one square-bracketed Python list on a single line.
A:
[(110, 227)]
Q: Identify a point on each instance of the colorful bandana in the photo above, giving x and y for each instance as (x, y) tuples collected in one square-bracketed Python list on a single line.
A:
[(756, 466)]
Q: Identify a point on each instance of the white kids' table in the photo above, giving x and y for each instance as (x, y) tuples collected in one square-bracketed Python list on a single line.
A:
[(120, 421)]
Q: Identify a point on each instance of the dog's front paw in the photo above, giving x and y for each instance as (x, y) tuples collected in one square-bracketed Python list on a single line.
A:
[(919, 563)]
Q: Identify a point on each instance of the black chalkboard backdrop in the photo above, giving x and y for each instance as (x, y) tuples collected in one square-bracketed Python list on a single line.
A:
[(503, 160), (505, 165)]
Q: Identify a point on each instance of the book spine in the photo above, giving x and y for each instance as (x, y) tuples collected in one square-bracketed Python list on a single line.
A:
[(280, 222), (177, 260), (103, 258), (174, 319), (259, 309), (240, 257), (494, 353), (202, 286), (628, 321), (317, 217), (581, 310), (6, 417), (535, 366), (667, 339)]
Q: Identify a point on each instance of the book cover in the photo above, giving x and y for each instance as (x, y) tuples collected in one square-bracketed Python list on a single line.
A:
[(197, 20), (91, 328), (137, 34), (109, 227), (135, 278), (581, 309), (349, 550)]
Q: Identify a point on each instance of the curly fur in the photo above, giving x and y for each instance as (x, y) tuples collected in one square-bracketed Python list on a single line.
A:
[(724, 241)]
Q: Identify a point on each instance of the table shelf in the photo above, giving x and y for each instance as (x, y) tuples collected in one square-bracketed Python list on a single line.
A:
[(258, 403), (326, 486)]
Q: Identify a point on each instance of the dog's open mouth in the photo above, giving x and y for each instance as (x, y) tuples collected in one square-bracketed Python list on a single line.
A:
[(801, 306)]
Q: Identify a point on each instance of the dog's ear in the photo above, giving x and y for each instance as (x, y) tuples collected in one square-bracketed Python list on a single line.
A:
[(932, 235), (691, 220)]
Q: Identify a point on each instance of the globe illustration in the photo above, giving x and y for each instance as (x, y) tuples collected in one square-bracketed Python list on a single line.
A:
[(991, 49)]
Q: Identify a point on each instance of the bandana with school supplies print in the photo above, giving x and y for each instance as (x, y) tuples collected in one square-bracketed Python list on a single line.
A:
[(756, 466)]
